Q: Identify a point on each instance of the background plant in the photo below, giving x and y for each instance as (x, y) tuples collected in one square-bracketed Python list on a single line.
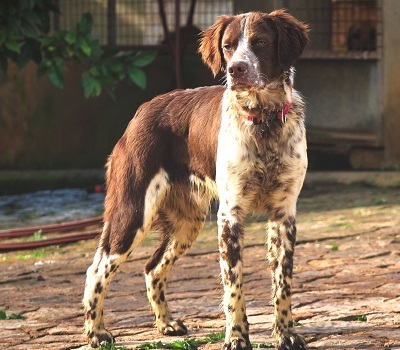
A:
[(25, 36)]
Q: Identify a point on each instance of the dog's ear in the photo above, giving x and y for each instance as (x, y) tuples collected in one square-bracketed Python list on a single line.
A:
[(210, 44), (292, 37)]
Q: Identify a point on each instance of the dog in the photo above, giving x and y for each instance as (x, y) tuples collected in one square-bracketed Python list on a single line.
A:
[(243, 144)]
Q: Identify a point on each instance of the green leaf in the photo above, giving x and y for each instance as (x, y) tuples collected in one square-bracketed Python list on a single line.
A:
[(94, 71), (86, 23), (32, 17), (117, 67), (25, 56), (70, 38), (46, 42), (144, 58), (12, 45), (138, 77), (84, 46), (56, 75), (28, 30), (96, 49), (47, 63), (91, 86)]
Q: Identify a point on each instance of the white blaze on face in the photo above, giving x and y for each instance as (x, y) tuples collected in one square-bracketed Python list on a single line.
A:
[(245, 54)]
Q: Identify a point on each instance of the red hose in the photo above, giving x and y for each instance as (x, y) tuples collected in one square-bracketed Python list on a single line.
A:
[(66, 226), (47, 242)]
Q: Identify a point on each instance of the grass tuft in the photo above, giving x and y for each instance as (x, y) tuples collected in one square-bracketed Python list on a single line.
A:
[(334, 246), (194, 343), (36, 253), (111, 346), (37, 236), (13, 316), (361, 318)]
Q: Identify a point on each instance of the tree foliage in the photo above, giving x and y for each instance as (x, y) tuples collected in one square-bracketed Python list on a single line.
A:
[(25, 36)]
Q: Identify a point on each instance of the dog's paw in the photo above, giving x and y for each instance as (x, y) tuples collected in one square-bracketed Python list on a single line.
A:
[(173, 328), (96, 338), (292, 341), (238, 344)]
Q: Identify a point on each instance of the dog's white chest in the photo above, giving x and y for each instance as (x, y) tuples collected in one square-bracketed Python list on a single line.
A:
[(251, 168)]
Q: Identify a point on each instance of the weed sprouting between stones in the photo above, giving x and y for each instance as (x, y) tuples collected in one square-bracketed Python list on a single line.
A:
[(13, 316), (194, 343), (361, 318), (111, 346), (36, 253), (334, 246), (185, 344), (37, 236)]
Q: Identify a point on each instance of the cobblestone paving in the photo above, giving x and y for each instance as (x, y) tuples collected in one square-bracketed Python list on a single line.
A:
[(346, 284)]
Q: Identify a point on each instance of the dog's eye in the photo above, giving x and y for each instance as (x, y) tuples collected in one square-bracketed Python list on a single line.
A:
[(227, 47), (260, 43)]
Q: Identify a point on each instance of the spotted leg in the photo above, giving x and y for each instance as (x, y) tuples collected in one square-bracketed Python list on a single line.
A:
[(179, 229), (281, 243), (230, 236), (99, 276), (124, 229)]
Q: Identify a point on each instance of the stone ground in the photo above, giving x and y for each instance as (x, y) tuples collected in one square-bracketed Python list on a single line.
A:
[(347, 268)]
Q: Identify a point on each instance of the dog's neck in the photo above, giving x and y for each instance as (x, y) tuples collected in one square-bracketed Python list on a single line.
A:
[(260, 106)]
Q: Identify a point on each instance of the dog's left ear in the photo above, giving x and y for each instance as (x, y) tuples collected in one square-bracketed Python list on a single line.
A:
[(210, 44), (292, 37)]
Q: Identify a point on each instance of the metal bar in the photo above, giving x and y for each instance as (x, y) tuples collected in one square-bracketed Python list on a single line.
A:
[(56, 16), (189, 24), (111, 23), (167, 34), (178, 67)]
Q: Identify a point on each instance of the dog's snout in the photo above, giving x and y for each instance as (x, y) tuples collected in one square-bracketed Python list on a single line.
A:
[(237, 69)]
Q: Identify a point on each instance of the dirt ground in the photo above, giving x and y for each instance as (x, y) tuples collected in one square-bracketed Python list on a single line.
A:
[(346, 281)]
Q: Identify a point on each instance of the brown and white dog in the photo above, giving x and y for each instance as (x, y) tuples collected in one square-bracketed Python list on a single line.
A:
[(244, 144)]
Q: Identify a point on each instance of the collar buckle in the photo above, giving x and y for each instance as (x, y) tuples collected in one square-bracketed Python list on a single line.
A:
[(282, 115)]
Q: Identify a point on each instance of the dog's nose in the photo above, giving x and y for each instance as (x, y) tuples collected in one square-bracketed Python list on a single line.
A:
[(237, 69)]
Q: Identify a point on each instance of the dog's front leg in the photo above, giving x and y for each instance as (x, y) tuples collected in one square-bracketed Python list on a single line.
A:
[(281, 242), (230, 235)]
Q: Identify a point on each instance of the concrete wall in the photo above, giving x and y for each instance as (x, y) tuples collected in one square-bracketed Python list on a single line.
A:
[(341, 94), (42, 127)]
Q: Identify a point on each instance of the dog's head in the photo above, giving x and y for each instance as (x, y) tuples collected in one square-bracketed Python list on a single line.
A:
[(254, 48)]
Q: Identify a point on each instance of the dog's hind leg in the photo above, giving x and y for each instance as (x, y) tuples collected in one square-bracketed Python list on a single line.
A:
[(98, 278), (126, 224), (180, 223)]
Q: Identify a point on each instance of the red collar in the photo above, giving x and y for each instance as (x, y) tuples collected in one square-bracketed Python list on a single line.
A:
[(281, 115)]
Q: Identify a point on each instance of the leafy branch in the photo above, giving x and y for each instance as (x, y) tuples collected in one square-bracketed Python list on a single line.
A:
[(25, 36)]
